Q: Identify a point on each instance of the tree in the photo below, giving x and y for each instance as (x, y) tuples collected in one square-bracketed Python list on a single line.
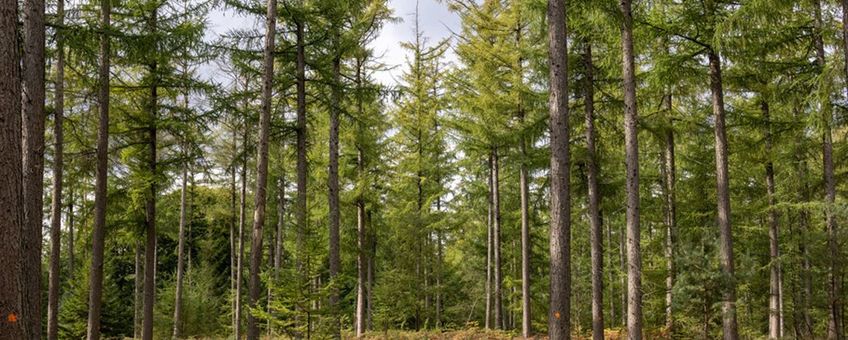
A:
[(11, 198), (99, 229), (559, 320)]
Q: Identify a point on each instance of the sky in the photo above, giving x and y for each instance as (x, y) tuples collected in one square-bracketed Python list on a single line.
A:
[(435, 20)]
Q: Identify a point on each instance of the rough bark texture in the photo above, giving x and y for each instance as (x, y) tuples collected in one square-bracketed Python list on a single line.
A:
[(669, 182), (631, 161), (728, 308), (333, 196), (11, 179), (559, 319), (178, 290), (260, 196), (496, 242), (33, 121), (594, 197), (98, 232), (58, 172)]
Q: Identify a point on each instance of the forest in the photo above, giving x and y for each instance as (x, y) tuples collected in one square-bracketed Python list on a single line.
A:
[(554, 169)]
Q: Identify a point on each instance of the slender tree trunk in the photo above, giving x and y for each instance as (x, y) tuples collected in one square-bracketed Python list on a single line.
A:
[(489, 247), (300, 203), (262, 167), (11, 177), (98, 232), (278, 242), (594, 195), (71, 240), (333, 195), (58, 172), (178, 292), (137, 291), (496, 241), (362, 261), (242, 222), (634, 252), (834, 296), (775, 326), (233, 228), (559, 319), (728, 309), (669, 172)]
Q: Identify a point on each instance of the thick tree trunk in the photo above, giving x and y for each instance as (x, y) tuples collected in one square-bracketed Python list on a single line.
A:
[(631, 144), (33, 121), (58, 172), (11, 178), (775, 303), (728, 309), (559, 319), (669, 172), (496, 241), (98, 232), (333, 196), (594, 196), (834, 296), (260, 196), (178, 291)]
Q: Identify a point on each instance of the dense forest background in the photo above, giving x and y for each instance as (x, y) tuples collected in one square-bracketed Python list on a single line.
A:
[(660, 169)]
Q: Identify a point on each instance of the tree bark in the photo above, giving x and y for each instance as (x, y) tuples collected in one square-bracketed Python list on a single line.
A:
[(242, 222), (150, 204), (301, 203), (333, 195), (559, 319), (178, 292), (489, 241), (11, 177), (33, 121), (594, 196), (98, 232), (71, 239), (233, 227), (361, 232), (775, 303), (260, 196), (728, 309), (496, 241), (58, 172), (669, 172), (634, 252)]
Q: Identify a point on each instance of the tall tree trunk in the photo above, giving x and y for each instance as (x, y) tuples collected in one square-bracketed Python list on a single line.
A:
[(11, 177), (150, 205), (775, 303), (178, 291), (559, 319), (260, 196), (728, 309), (278, 241), (361, 232), (300, 203), (58, 172), (594, 195), (33, 121), (669, 172), (496, 241), (631, 144), (242, 222), (98, 232), (233, 228), (834, 296), (489, 240), (333, 195)]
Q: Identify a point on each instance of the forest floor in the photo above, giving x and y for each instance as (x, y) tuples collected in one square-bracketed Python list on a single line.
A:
[(474, 334)]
